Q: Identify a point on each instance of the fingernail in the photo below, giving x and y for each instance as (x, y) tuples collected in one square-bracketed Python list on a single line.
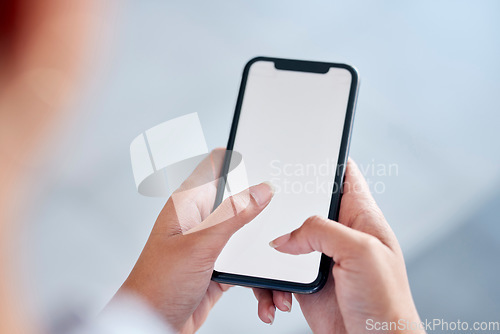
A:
[(262, 193), (280, 240), (270, 315), (271, 185), (288, 305)]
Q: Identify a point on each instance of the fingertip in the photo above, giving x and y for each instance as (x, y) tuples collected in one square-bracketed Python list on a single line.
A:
[(280, 241), (288, 306), (287, 301), (271, 314), (266, 308), (267, 314), (271, 186), (282, 300), (262, 193)]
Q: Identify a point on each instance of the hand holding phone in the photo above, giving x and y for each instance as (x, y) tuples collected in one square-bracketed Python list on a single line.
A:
[(173, 271), (367, 287)]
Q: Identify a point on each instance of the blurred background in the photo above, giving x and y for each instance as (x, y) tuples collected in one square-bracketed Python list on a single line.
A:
[(428, 103)]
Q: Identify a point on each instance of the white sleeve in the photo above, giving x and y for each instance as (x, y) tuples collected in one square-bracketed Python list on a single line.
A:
[(126, 315)]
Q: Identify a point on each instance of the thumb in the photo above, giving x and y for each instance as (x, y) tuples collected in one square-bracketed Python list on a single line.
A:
[(231, 215), (327, 236)]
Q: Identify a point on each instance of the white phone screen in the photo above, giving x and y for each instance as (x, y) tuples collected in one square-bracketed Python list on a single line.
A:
[(289, 132)]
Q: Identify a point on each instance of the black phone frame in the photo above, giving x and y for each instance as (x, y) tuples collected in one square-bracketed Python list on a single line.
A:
[(326, 262)]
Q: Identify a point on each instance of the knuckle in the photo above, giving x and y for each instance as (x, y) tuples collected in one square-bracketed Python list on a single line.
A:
[(237, 205), (314, 221), (312, 230), (240, 202)]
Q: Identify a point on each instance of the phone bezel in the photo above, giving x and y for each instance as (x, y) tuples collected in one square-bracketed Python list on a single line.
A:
[(326, 262)]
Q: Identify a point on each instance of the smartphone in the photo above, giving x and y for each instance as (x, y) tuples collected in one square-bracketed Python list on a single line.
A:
[(292, 126)]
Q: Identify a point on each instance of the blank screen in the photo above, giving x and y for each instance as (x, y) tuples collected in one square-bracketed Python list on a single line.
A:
[(289, 132)]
